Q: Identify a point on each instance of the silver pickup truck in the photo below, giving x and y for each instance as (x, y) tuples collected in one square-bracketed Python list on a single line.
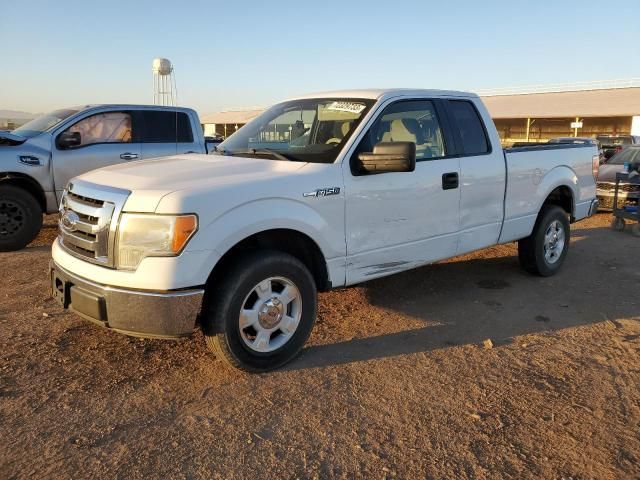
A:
[(38, 159)]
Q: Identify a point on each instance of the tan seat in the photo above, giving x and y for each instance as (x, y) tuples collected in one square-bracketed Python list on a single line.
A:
[(339, 135), (399, 133), (408, 130)]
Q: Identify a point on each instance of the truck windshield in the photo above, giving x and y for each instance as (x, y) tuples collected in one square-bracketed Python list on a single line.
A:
[(630, 155), (43, 123), (309, 130)]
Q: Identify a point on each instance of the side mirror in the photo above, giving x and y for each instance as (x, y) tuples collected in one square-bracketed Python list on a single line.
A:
[(389, 157), (68, 139)]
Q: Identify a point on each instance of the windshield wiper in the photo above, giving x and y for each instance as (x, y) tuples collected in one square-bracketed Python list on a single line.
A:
[(262, 151)]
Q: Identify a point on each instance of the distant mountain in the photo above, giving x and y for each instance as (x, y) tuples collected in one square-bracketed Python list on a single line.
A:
[(17, 115)]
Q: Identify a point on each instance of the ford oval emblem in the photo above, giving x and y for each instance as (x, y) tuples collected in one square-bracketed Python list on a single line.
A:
[(69, 220)]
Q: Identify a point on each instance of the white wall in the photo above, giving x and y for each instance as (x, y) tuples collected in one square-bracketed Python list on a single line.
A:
[(635, 125), (209, 129)]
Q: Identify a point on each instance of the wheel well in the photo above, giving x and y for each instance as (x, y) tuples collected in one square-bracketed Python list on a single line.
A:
[(26, 183), (288, 241), (563, 198)]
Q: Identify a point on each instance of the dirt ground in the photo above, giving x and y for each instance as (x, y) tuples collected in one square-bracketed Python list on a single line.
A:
[(395, 381)]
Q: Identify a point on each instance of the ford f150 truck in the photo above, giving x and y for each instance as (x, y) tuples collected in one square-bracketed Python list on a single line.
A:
[(317, 192), (38, 159)]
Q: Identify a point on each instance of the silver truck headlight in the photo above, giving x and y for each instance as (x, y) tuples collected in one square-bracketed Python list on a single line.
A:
[(149, 235)]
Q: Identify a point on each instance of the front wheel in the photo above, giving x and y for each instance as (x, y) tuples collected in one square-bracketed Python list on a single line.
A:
[(543, 252), (259, 316), (20, 218)]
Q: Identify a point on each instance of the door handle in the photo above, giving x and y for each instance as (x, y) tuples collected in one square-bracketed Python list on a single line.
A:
[(190, 151), (128, 156), (450, 180)]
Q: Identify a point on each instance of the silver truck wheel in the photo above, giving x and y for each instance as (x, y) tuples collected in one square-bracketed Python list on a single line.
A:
[(270, 314), (543, 252), (554, 238), (259, 313)]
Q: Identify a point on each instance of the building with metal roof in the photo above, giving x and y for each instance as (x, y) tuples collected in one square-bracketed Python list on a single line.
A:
[(587, 110), (225, 123)]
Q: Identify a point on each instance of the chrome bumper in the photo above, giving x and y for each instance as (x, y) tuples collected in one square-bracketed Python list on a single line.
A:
[(139, 313)]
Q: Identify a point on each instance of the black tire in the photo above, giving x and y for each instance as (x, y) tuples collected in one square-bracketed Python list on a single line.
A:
[(20, 218), (226, 298), (531, 250)]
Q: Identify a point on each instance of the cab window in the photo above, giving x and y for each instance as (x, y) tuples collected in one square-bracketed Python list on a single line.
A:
[(110, 127), (413, 121), (470, 127)]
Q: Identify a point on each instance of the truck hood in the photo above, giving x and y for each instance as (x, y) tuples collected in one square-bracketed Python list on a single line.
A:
[(607, 173), (150, 180), (8, 138)]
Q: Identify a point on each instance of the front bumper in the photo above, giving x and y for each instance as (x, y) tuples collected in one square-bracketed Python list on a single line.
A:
[(606, 200), (140, 313)]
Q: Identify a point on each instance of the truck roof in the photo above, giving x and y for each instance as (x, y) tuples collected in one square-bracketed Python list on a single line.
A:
[(130, 105), (384, 93)]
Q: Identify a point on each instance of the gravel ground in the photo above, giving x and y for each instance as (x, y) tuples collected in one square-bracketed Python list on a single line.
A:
[(395, 381)]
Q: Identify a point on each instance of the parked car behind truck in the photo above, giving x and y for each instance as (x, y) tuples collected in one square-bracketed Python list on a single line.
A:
[(628, 193), (373, 183), (612, 144), (38, 159)]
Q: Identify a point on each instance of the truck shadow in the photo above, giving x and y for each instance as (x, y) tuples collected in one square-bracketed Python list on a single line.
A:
[(486, 295)]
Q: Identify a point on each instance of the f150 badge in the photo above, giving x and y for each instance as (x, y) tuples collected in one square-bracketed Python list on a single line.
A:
[(323, 192)]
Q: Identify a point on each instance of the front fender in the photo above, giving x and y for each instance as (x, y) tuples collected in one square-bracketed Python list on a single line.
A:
[(222, 233), (35, 167)]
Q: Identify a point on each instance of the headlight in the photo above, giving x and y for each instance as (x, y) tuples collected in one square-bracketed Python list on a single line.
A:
[(141, 236)]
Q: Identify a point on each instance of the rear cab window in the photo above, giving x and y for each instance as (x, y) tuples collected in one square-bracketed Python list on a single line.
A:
[(165, 127), (469, 127)]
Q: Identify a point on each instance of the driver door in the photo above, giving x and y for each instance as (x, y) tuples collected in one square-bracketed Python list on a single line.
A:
[(400, 220), (106, 138)]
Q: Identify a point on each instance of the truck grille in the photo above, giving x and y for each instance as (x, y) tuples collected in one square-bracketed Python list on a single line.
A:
[(84, 226), (624, 187), (88, 219)]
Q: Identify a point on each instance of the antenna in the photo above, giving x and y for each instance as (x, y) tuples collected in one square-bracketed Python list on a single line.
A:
[(164, 86)]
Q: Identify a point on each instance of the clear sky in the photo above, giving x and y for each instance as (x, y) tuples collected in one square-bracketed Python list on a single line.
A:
[(234, 54)]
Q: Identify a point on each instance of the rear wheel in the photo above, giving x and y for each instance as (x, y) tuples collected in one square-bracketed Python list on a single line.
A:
[(543, 252), (20, 218), (261, 313)]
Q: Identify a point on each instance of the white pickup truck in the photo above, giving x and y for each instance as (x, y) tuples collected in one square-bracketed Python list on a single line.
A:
[(318, 192)]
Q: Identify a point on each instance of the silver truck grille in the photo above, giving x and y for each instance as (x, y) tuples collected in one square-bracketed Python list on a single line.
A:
[(88, 218), (624, 187)]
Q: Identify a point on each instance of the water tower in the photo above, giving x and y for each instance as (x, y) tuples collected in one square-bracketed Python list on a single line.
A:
[(164, 82)]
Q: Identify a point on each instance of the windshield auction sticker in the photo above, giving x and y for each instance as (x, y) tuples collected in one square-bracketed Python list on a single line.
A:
[(350, 107)]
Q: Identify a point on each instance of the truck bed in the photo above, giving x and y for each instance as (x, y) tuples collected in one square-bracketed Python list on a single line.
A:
[(534, 171)]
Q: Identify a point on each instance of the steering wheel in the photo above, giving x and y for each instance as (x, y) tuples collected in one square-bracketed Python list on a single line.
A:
[(333, 141)]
